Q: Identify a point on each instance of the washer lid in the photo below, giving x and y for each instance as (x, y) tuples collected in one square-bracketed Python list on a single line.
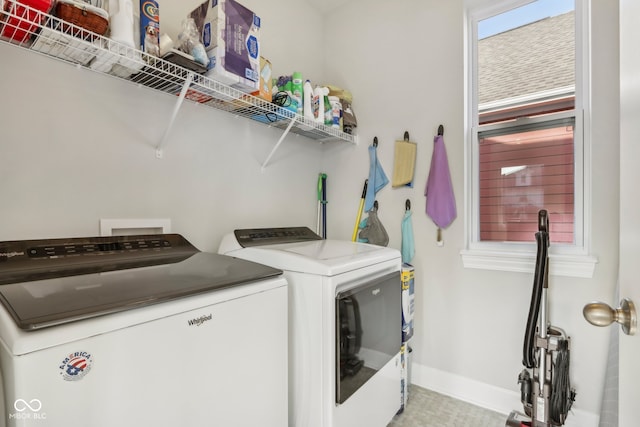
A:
[(65, 290), (326, 250), (321, 257)]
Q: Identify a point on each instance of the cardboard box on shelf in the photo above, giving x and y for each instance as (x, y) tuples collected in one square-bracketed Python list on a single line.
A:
[(149, 27), (408, 300), (266, 84), (218, 70), (231, 35)]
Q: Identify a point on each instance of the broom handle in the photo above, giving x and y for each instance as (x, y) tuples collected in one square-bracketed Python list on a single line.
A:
[(359, 216)]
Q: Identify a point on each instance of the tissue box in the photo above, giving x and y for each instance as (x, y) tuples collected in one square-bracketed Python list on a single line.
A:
[(231, 35), (266, 83)]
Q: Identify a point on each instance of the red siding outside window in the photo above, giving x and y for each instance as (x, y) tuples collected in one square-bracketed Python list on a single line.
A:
[(522, 172)]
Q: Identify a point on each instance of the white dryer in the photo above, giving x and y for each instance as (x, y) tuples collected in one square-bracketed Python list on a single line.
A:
[(345, 324), (139, 331)]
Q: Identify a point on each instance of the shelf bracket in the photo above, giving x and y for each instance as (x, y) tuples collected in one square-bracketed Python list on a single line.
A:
[(273, 150), (174, 114)]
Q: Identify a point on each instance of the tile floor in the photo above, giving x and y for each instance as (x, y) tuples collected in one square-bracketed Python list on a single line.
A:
[(427, 408)]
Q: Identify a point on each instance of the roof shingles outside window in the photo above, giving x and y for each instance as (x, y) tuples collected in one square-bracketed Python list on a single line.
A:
[(527, 60)]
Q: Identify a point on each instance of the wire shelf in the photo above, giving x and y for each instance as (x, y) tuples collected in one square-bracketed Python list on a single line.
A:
[(29, 28)]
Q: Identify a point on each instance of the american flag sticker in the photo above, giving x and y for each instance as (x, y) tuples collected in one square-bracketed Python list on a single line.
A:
[(75, 366)]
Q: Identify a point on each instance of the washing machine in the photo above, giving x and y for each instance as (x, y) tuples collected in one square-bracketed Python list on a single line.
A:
[(139, 331), (345, 324)]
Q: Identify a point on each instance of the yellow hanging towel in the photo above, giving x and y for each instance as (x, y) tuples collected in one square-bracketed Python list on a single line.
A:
[(404, 162)]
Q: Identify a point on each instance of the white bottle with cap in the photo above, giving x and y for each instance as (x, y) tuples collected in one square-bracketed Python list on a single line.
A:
[(318, 103), (121, 22), (307, 100), (336, 112)]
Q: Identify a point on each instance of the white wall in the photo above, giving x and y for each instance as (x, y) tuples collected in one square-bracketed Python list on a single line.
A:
[(77, 147), (404, 62)]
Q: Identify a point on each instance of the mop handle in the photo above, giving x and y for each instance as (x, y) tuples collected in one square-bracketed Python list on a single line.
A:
[(359, 216), (319, 190), (324, 205)]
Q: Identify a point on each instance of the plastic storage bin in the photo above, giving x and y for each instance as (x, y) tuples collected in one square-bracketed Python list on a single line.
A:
[(21, 19)]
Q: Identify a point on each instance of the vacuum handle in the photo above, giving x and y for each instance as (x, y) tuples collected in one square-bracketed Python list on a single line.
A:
[(543, 221), (539, 282)]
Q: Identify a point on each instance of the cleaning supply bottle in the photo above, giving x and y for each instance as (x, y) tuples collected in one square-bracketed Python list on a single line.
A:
[(307, 99), (318, 103), (121, 22), (327, 111), (293, 105), (296, 88), (336, 112)]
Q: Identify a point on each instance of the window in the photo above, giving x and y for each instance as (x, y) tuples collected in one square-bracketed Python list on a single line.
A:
[(527, 134), (522, 170)]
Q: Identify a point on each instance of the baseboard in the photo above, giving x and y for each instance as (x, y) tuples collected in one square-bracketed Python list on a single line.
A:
[(485, 395)]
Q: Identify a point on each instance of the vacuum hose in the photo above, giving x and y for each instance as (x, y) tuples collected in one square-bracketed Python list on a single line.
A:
[(542, 239), (562, 395)]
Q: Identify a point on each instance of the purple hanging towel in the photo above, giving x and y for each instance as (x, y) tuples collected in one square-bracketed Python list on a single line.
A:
[(441, 203)]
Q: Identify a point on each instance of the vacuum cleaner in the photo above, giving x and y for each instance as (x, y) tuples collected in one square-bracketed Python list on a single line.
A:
[(545, 389)]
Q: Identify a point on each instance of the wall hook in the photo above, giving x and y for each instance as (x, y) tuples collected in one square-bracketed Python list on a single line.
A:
[(375, 141), (439, 240), (406, 135), (440, 130), (407, 205)]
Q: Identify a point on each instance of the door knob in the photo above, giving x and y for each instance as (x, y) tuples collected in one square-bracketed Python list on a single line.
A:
[(601, 314)]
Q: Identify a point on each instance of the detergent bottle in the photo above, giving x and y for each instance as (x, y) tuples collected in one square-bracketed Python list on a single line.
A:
[(327, 111), (297, 88), (318, 103), (121, 22)]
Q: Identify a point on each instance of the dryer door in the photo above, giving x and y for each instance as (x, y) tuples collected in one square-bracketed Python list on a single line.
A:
[(368, 331)]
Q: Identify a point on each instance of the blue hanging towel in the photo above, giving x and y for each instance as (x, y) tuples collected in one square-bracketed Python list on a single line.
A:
[(377, 178), (441, 203), (408, 248)]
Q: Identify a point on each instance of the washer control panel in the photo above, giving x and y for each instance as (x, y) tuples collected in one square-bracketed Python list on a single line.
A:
[(271, 236)]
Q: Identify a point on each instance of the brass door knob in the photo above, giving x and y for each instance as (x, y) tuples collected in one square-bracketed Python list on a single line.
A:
[(601, 314)]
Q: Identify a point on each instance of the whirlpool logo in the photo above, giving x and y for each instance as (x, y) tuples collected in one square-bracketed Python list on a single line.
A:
[(10, 254), (200, 320)]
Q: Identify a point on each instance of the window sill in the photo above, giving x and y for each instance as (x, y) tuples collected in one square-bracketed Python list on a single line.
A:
[(559, 264)]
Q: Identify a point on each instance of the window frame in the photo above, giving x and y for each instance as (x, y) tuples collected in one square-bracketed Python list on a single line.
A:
[(567, 259)]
